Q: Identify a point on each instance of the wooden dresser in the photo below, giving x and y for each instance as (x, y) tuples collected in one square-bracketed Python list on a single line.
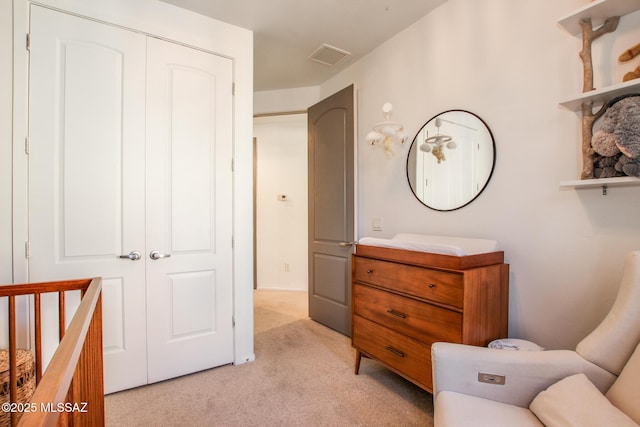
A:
[(403, 301)]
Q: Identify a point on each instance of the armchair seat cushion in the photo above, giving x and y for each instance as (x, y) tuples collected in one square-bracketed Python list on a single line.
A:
[(454, 409)]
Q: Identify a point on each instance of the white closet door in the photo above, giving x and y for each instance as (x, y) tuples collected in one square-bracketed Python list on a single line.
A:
[(86, 176), (189, 210)]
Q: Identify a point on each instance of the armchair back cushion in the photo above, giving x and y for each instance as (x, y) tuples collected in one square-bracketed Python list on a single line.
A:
[(620, 329), (625, 392)]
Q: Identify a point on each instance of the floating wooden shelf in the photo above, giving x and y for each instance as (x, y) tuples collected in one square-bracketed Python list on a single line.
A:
[(600, 96), (603, 183), (598, 11)]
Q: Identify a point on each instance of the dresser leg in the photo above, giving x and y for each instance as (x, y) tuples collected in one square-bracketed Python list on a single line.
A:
[(358, 357)]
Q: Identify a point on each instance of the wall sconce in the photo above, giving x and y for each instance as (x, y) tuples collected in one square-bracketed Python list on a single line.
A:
[(386, 132), (435, 144)]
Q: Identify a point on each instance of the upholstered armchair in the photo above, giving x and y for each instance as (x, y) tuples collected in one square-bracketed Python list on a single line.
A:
[(597, 384)]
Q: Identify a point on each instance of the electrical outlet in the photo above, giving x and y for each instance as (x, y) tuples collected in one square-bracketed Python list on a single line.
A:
[(286, 266), (491, 378), (376, 223)]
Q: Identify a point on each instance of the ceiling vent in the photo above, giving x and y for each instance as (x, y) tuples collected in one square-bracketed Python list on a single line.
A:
[(328, 55)]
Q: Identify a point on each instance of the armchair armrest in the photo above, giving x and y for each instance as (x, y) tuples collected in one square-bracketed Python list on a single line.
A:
[(456, 368)]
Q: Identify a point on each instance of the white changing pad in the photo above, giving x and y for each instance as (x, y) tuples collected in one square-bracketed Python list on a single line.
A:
[(457, 246)]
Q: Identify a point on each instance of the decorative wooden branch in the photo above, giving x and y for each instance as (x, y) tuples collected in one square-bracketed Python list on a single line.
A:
[(588, 119), (588, 37)]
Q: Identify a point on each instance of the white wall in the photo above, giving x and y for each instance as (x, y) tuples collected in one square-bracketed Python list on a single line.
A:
[(286, 100), (281, 229), (166, 21), (509, 62)]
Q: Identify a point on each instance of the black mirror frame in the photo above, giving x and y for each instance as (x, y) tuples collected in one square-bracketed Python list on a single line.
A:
[(493, 164)]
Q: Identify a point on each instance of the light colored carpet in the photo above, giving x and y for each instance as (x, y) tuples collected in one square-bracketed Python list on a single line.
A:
[(302, 376)]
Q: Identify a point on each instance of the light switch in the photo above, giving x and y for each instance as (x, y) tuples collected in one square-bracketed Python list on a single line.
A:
[(377, 223)]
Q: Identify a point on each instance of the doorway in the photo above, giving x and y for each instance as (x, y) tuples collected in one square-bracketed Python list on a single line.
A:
[(281, 201), (282, 147)]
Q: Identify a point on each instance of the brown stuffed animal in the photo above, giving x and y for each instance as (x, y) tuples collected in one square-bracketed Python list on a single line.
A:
[(620, 128)]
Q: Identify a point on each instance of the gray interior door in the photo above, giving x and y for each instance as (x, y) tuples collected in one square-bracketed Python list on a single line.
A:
[(331, 209)]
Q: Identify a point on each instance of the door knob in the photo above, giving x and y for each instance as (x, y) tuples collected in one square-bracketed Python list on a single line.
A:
[(133, 256), (345, 244), (158, 255)]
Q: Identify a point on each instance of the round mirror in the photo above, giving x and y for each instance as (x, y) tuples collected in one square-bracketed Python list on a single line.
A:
[(451, 160)]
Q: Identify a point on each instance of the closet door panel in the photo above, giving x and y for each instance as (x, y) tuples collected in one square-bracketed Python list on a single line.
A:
[(86, 175), (189, 210), (90, 151), (193, 159)]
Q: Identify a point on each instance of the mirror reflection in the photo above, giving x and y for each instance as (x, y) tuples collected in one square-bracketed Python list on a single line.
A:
[(451, 160)]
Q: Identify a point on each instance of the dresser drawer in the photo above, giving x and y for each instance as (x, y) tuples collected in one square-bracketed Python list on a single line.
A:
[(405, 355), (422, 321), (438, 286)]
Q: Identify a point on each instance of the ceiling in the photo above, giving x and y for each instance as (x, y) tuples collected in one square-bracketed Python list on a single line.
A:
[(287, 32)]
